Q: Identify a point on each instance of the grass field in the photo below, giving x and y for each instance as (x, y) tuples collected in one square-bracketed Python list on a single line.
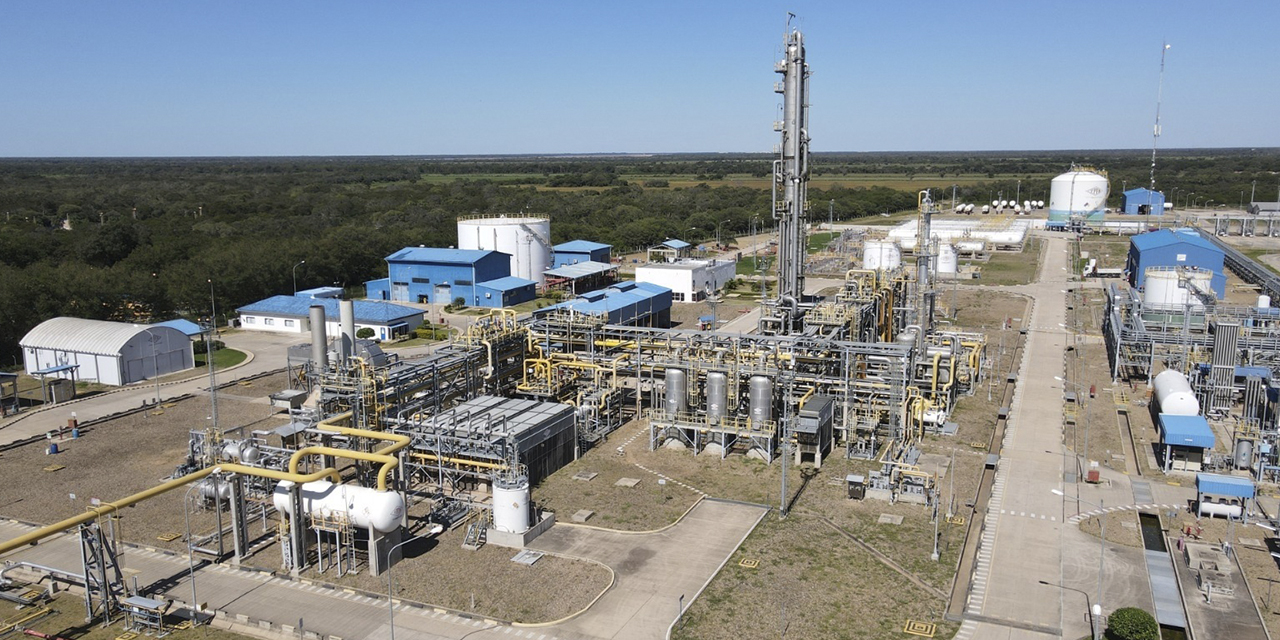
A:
[(222, 358), (1008, 268)]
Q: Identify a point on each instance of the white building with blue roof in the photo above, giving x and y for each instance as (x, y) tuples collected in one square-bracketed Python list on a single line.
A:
[(630, 303), (428, 275), (291, 314), (580, 251), (1175, 248)]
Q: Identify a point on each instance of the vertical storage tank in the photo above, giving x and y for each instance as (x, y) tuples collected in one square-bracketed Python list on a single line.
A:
[(1079, 192), (717, 395), (1173, 287), (881, 255), (676, 400), (761, 395), (527, 239), (511, 505), (947, 260)]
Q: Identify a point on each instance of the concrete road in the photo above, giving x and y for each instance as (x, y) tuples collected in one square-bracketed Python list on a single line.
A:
[(266, 352), (1022, 534), (656, 572)]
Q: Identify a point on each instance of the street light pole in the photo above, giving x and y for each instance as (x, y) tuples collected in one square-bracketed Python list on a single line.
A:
[(295, 276), (208, 356), (391, 602), (191, 562), (155, 361), (1102, 548)]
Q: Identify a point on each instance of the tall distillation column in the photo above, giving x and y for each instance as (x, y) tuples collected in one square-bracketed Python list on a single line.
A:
[(790, 185)]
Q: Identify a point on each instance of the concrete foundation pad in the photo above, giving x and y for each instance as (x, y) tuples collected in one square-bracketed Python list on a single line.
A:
[(627, 482), (889, 518), (582, 515)]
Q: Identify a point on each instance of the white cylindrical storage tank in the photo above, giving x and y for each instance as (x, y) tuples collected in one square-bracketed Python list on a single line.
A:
[(970, 246), (986, 209), (947, 261), (511, 506), (1244, 454), (1078, 192), (1174, 395), (1219, 509), (968, 208), (881, 255), (677, 399), (1264, 301), (761, 398), (1017, 208), (995, 204), (1004, 204), (1160, 288), (527, 239), (366, 508), (1026, 205), (717, 395)]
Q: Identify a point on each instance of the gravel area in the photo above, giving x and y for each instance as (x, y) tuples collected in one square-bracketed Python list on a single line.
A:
[(123, 456)]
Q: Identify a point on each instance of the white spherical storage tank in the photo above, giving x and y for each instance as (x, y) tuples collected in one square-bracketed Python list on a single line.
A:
[(1079, 192), (511, 507), (947, 260), (367, 508), (1174, 395), (527, 239), (881, 254)]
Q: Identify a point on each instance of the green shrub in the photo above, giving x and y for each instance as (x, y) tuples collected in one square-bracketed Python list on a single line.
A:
[(365, 333), (1132, 623), (201, 346)]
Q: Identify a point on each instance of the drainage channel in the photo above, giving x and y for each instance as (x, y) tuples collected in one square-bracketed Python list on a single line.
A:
[(1164, 589)]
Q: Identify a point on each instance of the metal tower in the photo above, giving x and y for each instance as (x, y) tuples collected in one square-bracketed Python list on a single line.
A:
[(791, 181)]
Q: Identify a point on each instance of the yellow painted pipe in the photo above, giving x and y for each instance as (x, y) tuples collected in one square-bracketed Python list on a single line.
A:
[(108, 507), (473, 463), (388, 462)]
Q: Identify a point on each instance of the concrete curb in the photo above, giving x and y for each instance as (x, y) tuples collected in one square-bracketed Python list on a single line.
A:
[(613, 580), (636, 533)]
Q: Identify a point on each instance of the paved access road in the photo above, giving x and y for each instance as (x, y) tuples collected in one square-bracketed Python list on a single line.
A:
[(266, 352)]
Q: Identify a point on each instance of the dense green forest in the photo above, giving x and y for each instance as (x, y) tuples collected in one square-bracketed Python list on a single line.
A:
[(147, 237)]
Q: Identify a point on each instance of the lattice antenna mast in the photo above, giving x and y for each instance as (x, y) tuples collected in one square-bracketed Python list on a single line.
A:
[(1155, 142)]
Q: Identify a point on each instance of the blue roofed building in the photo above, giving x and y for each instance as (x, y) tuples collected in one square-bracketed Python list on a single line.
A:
[(1222, 495), (1184, 439), (1170, 248), (630, 303), (670, 250), (580, 251), (505, 292), (1142, 201), (291, 314), (187, 327), (439, 276)]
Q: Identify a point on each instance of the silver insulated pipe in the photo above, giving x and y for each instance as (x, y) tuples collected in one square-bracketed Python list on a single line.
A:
[(347, 310), (319, 344)]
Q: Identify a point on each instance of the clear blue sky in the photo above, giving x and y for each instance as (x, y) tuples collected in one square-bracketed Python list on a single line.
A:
[(254, 77)]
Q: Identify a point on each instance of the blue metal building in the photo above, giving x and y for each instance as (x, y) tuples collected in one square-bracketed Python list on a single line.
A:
[(1143, 201), (1175, 248), (430, 275), (579, 251), (630, 303)]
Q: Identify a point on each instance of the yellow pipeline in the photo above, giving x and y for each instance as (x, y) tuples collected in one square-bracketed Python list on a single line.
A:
[(473, 463), (388, 462), (108, 507)]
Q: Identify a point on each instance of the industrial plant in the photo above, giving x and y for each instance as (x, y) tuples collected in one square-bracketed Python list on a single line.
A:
[(892, 353)]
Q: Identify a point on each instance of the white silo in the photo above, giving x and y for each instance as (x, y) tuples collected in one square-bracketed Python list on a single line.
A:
[(527, 239), (947, 260), (1081, 192), (881, 255)]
